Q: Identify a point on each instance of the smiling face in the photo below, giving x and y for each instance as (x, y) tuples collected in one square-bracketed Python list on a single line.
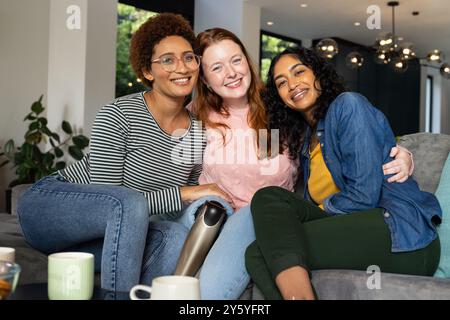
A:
[(179, 83), (226, 71), (296, 84)]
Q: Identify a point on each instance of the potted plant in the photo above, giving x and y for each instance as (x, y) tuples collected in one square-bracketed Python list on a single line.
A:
[(34, 158)]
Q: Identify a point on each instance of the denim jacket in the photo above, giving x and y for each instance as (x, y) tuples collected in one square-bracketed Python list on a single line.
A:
[(356, 140)]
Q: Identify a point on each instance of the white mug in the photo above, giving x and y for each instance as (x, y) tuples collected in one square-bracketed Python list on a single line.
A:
[(7, 254), (70, 276), (170, 288)]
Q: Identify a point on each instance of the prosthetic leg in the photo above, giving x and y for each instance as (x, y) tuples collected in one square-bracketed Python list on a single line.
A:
[(208, 220)]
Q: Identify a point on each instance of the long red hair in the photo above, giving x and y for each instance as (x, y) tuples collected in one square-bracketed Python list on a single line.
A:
[(206, 101)]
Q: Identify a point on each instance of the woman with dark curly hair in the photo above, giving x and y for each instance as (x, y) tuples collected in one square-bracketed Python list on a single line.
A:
[(350, 216), (103, 203)]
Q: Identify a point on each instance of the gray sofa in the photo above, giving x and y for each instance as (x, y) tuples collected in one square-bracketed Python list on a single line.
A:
[(430, 152)]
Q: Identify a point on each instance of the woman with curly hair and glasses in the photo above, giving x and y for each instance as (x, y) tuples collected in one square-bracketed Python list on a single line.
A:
[(351, 217), (103, 203)]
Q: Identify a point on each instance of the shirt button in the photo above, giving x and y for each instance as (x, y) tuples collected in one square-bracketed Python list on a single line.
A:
[(386, 214), (319, 134), (321, 145)]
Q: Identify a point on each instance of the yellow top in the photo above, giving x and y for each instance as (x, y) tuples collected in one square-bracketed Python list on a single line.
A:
[(320, 183)]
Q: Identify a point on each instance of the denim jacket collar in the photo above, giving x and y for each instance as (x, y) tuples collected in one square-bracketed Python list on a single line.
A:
[(319, 133)]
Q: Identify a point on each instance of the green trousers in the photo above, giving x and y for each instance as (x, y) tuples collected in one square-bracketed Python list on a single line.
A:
[(291, 231)]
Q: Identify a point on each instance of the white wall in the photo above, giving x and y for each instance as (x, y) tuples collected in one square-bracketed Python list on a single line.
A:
[(39, 54), (24, 47), (240, 17)]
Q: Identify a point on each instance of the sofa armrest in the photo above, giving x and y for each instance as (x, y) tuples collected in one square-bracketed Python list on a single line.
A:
[(16, 193)]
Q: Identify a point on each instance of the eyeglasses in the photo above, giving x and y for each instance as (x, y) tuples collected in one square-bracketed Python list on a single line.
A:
[(169, 62)]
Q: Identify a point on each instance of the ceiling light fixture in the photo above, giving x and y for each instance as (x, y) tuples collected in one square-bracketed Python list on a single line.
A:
[(389, 50), (327, 48), (270, 23)]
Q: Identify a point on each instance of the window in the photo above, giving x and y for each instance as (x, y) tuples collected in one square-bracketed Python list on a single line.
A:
[(271, 45), (429, 104), (129, 19)]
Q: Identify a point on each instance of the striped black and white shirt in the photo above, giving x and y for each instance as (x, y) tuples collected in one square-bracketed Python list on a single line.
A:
[(128, 148)]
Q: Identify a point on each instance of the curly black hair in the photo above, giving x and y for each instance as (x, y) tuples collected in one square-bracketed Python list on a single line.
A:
[(150, 33), (291, 124)]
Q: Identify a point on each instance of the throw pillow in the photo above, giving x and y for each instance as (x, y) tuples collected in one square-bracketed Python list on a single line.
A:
[(443, 195)]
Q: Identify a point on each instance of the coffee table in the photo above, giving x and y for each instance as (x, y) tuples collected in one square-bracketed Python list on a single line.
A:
[(38, 291)]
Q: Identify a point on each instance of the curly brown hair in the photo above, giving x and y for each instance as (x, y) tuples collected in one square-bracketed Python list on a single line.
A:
[(150, 33)]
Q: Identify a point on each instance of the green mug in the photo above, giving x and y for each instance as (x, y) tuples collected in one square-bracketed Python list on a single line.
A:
[(70, 276)]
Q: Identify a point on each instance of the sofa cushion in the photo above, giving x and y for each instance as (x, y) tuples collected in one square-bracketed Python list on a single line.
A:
[(443, 195), (32, 262), (347, 284), (430, 152), (352, 285)]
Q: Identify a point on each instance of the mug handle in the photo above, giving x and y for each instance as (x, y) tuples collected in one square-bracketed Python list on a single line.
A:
[(139, 287)]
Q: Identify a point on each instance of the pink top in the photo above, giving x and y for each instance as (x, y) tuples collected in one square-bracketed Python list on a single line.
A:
[(235, 167)]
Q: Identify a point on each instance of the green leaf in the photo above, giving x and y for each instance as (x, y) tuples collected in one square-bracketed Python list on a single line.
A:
[(29, 117), (33, 138), (56, 137), (80, 141), (46, 131), (67, 128), (60, 165), (52, 143), (27, 150), (37, 107), (9, 146), (47, 160), (42, 121), (58, 152), (33, 126), (76, 152)]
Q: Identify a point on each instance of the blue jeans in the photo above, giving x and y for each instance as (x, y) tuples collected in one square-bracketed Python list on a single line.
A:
[(223, 275), (112, 222)]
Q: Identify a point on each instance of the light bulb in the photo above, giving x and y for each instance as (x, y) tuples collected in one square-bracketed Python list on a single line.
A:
[(400, 66), (385, 41), (354, 60), (435, 56), (382, 58), (445, 70), (407, 51), (327, 48)]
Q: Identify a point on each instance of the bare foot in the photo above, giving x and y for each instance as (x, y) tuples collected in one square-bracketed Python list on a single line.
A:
[(294, 284)]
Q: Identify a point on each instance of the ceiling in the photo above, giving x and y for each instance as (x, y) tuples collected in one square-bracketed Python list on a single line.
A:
[(330, 18)]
